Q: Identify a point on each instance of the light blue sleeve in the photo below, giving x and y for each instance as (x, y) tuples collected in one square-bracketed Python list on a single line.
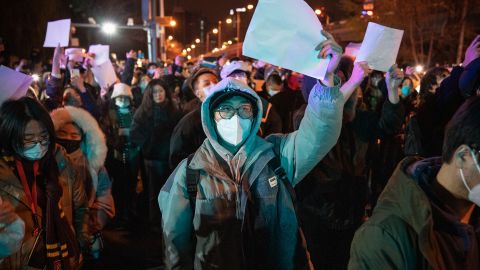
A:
[(319, 130), (177, 220)]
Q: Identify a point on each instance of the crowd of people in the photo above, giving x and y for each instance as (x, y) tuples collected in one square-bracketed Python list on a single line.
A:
[(243, 164)]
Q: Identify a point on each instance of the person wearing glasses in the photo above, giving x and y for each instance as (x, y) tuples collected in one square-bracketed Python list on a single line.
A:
[(427, 216), (230, 205), (34, 177)]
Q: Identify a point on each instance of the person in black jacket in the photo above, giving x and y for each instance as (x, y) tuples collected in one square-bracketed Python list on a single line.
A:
[(332, 198), (152, 127), (188, 135)]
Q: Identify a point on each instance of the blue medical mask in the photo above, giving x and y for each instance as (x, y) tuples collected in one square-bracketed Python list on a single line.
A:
[(405, 90), (35, 152)]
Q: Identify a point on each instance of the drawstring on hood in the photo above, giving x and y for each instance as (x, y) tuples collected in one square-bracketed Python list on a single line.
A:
[(207, 157)]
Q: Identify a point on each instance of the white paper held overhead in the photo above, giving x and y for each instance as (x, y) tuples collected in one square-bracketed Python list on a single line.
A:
[(380, 46), (57, 32), (104, 74), (101, 53), (14, 84), (285, 33)]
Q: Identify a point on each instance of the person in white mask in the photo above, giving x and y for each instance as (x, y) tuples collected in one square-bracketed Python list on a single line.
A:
[(33, 173), (229, 205), (428, 216), (123, 159), (188, 134)]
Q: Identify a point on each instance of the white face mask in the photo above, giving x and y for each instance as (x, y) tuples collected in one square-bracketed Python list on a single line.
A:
[(207, 91), (36, 152), (121, 103), (273, 92), (234, 130), (474, 193)]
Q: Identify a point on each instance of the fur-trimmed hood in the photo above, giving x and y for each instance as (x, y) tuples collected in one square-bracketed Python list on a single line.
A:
[(93, 143)]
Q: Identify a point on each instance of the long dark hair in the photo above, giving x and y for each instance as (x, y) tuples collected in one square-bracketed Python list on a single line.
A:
[(14, 117), (146, 108)]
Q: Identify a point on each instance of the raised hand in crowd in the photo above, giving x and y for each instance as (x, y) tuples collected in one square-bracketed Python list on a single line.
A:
[(359, 73), (472, 52), (394, 79), (409, 71), (58, 56), (131, 54), (329, 48)]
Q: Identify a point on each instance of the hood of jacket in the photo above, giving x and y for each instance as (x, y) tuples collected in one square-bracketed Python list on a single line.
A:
[(207, 156), (93, 144)]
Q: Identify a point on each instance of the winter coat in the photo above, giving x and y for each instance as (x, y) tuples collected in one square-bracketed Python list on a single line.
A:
[(412, 229), (89, 161), (186, 137), (74, 204), (152, 131), (117, 128), (215, 235)]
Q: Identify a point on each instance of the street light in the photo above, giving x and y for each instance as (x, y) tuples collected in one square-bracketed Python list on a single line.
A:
[(250, 7), (229, 20), (170, 37), (215, 31), (197, 40), (318, 11), (193, 46), (229, 42), (173, 23), (188, 49), (172, 45), (419, 68), (109, 28)]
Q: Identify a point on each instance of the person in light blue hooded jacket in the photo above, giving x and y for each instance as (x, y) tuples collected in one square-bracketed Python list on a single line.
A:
[(240, 214)]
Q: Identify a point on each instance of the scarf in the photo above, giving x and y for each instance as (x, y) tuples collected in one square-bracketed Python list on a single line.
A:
[(59, 239)]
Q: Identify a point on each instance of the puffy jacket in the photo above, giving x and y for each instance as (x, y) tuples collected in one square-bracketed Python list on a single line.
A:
[(216, 235), (74, 204), (89, 160)]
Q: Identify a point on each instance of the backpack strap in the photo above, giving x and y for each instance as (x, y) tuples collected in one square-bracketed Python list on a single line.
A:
[(280, 173), (302, 255), (193, 177)]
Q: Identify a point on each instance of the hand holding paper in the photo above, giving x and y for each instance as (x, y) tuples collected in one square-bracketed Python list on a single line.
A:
[(359, 73), (329, 48), (394, 79), (57, 60), (285, 33), (380, 46), (57, 32)]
